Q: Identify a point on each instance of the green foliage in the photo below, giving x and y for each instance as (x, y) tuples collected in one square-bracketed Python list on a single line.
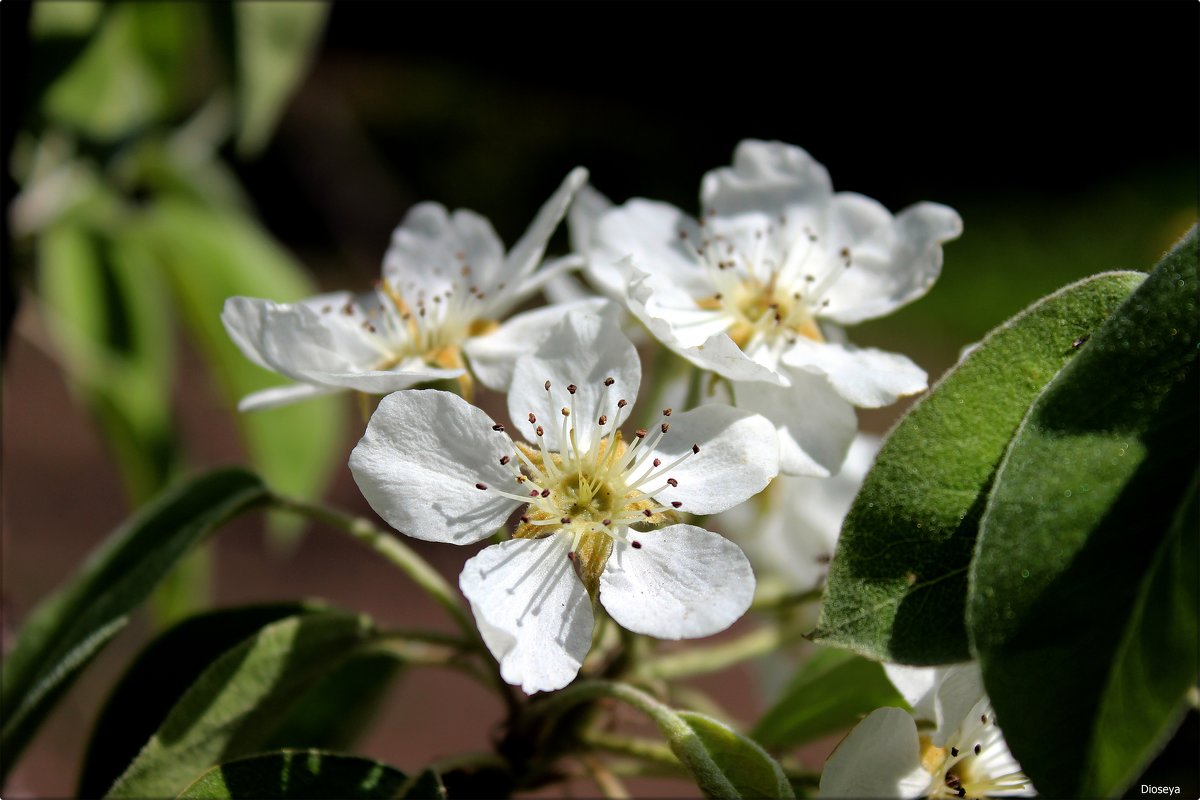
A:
[(898, 582), (831, 692), (297, 775), (719, 757), (1083, 607), (235, 705), (161, 673), (68, 629), (276, 40), (425, 785)]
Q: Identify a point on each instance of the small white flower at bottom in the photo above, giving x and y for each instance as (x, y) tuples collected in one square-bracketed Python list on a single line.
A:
[(597, 516)]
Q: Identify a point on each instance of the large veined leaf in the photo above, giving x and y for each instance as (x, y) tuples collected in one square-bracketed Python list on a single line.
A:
[(157, 678), (297, 775), (235, 705), (213, 256), (276, 41), (898, 582), (1084, 590), (68, 629), (831, 692)]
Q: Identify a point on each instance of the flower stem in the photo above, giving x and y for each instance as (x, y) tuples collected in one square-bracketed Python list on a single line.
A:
[(780, 600), (610, 785), (703, 660), (634, 747)]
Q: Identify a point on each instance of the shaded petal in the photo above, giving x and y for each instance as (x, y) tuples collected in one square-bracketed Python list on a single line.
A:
[(493, 356), (765, 177), (282, 395), (646, 235), (894, 261), (867, 377), (881, 757), (681, 583), (502, 302), (581, 350), (918, 687), (531, 609), (418, 463), (739, 455), (408, 373), (527, 253), (587, 208), (960, 689), (814, 423), (431, 246)]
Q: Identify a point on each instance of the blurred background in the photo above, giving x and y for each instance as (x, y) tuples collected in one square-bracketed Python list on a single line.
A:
[(163, 156)]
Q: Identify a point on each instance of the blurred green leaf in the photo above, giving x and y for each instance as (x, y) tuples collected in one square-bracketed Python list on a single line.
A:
[(276, 41), (425, 785), (297, 775), (830, 693), (69, 628), (898, 582), (741, 762), (160, 674), (1083, 606), (237, 702), (105, 304), (211, 256), (72, 18)]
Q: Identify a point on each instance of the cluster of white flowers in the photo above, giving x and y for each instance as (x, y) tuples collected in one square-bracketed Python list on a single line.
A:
[(590, 511)]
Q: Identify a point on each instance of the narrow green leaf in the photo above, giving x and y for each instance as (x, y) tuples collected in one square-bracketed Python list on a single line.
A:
[(297, 775), (1083, 593), (157, 678), (66, 630), (276, 41), (749, 768), (830, 693), (212, 256), (898, 582), (426, 785), (237, 702)]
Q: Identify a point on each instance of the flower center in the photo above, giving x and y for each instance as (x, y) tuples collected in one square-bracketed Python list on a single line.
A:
[(973, 769)]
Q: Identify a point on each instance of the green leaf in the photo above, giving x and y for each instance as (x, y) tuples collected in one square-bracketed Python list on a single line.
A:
[(703, 742), (239, 699), (276, 42), (297, 775), (212, 256), (830, 693), (426, 785), (66, 630), (898, 582), (158, 677), (1083, 607), (105, 306)]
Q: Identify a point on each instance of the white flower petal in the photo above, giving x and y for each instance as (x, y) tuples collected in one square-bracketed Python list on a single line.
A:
[(408, 373), (493, 356), (553, 270), (918, 687), (894, 261), (531, 609), (581, 350), (419, 461), (527, 252), (881, 757), (738, 457), (645, 234), (959, 690), (682, 582), (282, 395), (587, 208), (814, 423), (866, 377), (430, 247), (765, 177)]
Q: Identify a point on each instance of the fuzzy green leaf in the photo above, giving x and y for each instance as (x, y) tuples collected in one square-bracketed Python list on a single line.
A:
[(297, 775), (237, 702), (68, 629), (741, 762), (831, 692), (1083, 607), (898, 582)]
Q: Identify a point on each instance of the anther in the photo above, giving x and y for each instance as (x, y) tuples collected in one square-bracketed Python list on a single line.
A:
[(622, 403), (673, 483), (603, 419), (954, 752), (565, 520), (606, 522), (664, 427), (676, 503), (532, 419), (547, 386), (570, 555), (978, 749), (667, 412), (504, 460), (566, 412), (571, 388), (481, 486), (498, 427), (533, 493), (540, 430), (524, 519), (545, 492), (695, 449), (636, 545), (647, 512), (640, 433), (609, 381), (657, 462), (983, 718)]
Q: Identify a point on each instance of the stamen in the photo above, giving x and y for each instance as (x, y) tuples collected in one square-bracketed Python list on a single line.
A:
[(498, 427), (482, 486)]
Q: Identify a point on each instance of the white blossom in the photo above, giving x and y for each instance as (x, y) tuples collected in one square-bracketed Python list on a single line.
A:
[(965, 755), (437, 309), (757, 290), (598, 515)]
